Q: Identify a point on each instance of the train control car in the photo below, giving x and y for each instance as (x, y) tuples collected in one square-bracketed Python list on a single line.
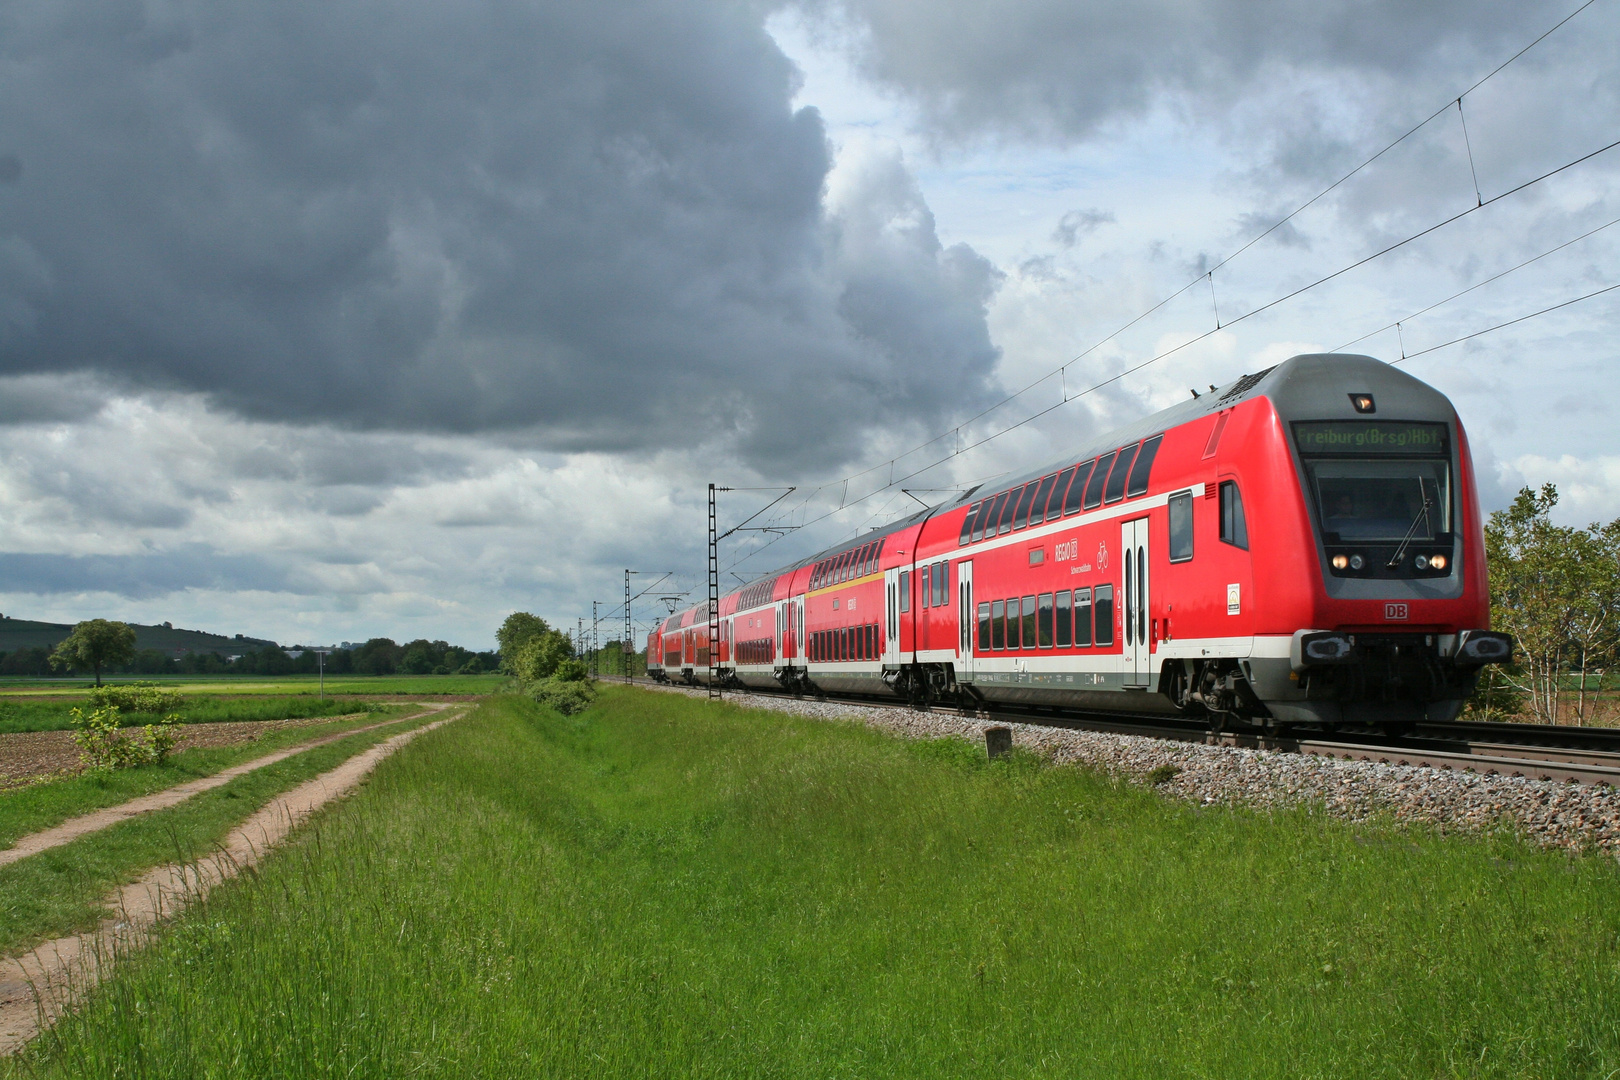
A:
[(1301, 547)]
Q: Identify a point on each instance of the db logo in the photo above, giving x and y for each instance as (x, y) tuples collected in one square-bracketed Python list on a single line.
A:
[(1394, 611)]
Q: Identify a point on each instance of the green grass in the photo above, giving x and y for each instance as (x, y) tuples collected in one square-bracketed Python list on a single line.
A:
[(286, 684), (24, 715), (39, 806), (659, 887), (61, 891)]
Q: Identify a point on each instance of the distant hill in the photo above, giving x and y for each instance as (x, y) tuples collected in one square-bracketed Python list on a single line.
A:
[(23, 633)]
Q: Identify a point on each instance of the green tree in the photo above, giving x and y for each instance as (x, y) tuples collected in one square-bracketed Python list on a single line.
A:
[(95, 644), (518, 628), (530, 649), (1556, 589)]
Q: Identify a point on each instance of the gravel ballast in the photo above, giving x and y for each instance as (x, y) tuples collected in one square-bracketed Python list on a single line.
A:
[(1569, 816)]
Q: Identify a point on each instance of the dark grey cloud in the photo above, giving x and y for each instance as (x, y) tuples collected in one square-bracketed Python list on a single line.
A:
[(140, 577), (603, 224), (1061, 68)]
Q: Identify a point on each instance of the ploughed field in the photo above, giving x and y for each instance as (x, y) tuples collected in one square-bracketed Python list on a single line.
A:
[(660, 886)]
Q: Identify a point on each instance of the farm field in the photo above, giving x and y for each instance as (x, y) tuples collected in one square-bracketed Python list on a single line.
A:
[(255, 684), (658, 886), (60, 891)]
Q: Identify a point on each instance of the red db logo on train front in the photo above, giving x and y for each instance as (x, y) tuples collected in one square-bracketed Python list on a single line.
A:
[(1394, 611)]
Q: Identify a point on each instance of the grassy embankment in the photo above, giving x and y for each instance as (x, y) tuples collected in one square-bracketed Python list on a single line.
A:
[(259, 684), (658, 887), (61, 891)]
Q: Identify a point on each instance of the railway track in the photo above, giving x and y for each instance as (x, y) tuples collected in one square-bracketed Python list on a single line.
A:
[(1578, 755)]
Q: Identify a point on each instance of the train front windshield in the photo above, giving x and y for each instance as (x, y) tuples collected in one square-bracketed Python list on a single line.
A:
[(1378, 482), (1382, 500)]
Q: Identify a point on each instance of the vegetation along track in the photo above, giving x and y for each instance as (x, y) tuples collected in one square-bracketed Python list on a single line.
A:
[(1583, 755)]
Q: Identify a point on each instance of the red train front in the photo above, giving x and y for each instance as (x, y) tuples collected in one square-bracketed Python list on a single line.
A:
[(1303, 546)]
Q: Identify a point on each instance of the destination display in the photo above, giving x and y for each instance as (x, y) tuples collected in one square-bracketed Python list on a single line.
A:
[(1378, 437)]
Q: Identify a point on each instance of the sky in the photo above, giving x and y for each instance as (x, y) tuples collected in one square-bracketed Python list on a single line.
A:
[(320, 322)]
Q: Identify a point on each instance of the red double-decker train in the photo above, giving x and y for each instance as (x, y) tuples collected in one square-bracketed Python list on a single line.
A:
[(1303, 546)]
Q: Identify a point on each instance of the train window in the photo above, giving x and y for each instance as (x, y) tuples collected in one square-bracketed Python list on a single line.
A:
[(872, 551), (1077, 489), (1105, 614), (1065, 619), (905, 590), (1116, 476), (1082, 617), (1021, 516), (1138, 483), (1234, 530), (846, 562), (984, 627), (871, 641), (967, 524), (942, 583), (1029, 622), (1181, 527), (1037, 512), (998, 624), (1094, 486), (1044, 621), (991, 516), (1015, 623), (1007, 511), (1054, 505), (979, 519), (925, 595)]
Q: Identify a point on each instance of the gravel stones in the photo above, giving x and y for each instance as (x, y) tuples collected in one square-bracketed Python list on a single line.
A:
[(1569, 816)]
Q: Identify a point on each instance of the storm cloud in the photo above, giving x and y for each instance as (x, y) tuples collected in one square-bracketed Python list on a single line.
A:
[(603, 227)]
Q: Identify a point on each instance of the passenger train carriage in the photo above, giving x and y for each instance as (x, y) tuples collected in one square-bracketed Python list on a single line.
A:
[(1303, 546)]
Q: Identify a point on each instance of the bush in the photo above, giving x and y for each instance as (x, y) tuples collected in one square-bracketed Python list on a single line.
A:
[(103, 744), (141, 697), (567, 697)]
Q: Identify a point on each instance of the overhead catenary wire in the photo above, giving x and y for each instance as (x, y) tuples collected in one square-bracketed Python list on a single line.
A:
[(1061, 371), (1482, 204), (1477, 285), (958, 448)]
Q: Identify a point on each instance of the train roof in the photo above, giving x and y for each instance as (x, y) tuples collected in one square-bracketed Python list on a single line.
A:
[(1295, 383)]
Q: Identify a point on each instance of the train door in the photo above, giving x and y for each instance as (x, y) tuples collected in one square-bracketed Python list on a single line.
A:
[(891, 617), (1134, 547), (781, 633), (964, 620), (800, 649)]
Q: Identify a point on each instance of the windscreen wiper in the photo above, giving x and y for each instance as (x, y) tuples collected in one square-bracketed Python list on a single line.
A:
[(1400, 552)]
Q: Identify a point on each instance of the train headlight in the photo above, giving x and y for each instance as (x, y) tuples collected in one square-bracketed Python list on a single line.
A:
[(1437, 562), (1357, 562), (1311, 648), (1340, 562), (1421, 562), (1483, 647)]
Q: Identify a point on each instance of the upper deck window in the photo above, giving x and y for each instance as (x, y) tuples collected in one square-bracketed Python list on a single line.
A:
[(1094, 486), (1116, 477), (1077, 489), (1037, 510)]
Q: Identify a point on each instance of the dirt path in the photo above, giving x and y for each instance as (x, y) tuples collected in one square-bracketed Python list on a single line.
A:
[(38, 987), (96, 820)]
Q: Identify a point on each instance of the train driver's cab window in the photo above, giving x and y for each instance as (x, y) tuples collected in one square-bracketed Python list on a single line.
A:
[(1105, 614), (905, 590), (1234, 530), (1181, 527)]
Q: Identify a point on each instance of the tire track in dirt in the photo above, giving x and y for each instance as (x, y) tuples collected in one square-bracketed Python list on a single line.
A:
[(38, 987), (108, 816)]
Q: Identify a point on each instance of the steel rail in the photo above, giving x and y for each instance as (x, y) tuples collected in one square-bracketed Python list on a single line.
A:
[(1579, 755)]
